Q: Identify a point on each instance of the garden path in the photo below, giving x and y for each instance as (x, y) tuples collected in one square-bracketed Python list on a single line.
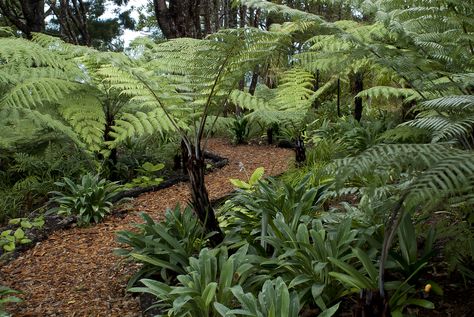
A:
[(75, 273)]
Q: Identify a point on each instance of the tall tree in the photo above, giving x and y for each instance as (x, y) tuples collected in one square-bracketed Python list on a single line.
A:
[(28, 16), (79, 22), (196, 18)]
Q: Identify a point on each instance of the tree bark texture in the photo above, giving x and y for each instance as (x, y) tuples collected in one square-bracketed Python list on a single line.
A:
[(357, 81), (300, 151), (371, 304), (72, 16), (200, 197), (26, 15), (195, 18)]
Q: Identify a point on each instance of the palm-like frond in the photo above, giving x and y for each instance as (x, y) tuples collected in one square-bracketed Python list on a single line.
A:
[(193, 76), (447, 118)]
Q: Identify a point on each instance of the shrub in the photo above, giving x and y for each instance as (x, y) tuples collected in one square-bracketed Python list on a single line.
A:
[(90, 200), (163, 248)]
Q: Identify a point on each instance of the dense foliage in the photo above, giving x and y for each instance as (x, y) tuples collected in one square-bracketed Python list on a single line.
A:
[(376, 98)]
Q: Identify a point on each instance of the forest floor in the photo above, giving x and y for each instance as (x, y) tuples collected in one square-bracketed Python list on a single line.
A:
[(75, 273)]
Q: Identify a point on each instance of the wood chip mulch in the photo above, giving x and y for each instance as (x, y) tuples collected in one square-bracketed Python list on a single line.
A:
[(75, 273)]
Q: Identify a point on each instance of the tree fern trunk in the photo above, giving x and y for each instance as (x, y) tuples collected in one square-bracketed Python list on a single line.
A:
[(200, 197), (270, 135), (300, 151), (357, 86), (371, 304)]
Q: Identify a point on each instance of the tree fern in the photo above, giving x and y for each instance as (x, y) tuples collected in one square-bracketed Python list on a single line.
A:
[(447, 118)]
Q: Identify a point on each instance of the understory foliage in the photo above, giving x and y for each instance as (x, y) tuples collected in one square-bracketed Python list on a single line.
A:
[(382, 204), (90, 200), (365, 219)]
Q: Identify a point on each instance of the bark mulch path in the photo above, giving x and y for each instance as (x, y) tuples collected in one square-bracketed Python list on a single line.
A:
[(75, 273)]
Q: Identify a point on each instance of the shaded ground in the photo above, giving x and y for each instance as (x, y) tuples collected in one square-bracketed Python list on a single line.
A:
[(74, 272)]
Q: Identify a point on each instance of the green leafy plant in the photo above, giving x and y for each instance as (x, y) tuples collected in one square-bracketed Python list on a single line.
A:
[(301, 256), (147, 172), (10, 239), (240, 129), (250, 212), (7, 295), (207, 280), (90, 200), (256, 176), (403, 292), (163, 248), (274, 300)]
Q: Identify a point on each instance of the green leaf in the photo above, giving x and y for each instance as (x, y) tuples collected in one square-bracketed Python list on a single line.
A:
[(239, 184), (26, 224), (420, 302), (6, 233), (14, 221), (154, 261), (300, 279), (256, 176), (19, 234), (9, 247), (330, 311), (317, 290), (209, 293), (222, 310)]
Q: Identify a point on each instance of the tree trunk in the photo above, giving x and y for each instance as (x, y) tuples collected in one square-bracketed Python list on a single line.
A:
[(300, 151), (270, 135), (182, 18), (26, 15), (371, 304), (357, 86), (73, 19), (338, 97), (200, 197)]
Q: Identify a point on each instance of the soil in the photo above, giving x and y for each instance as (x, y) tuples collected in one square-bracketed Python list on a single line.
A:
[(74, 271)]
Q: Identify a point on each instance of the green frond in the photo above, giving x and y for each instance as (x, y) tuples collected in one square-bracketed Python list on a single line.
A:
[(450, 177), (394, 156), (388, 92), (269, 117), (84, 114), (326, 88), (24, 53), (270, 7), (47, 121), (459, 103), (35, 92), (444, 128), (295, 89), (58, 46), (132, 125), (6, 31), (247, 101)]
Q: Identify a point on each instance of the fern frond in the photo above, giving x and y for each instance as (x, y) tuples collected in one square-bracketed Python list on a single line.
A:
[(388, 92), (295, 89), (394, 156), (131, 125), (18, 51), (47, 121), (83, 112), (247, 101), (35, 92), (453, 176), (282, 9), (444, 128), (459, 103)]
